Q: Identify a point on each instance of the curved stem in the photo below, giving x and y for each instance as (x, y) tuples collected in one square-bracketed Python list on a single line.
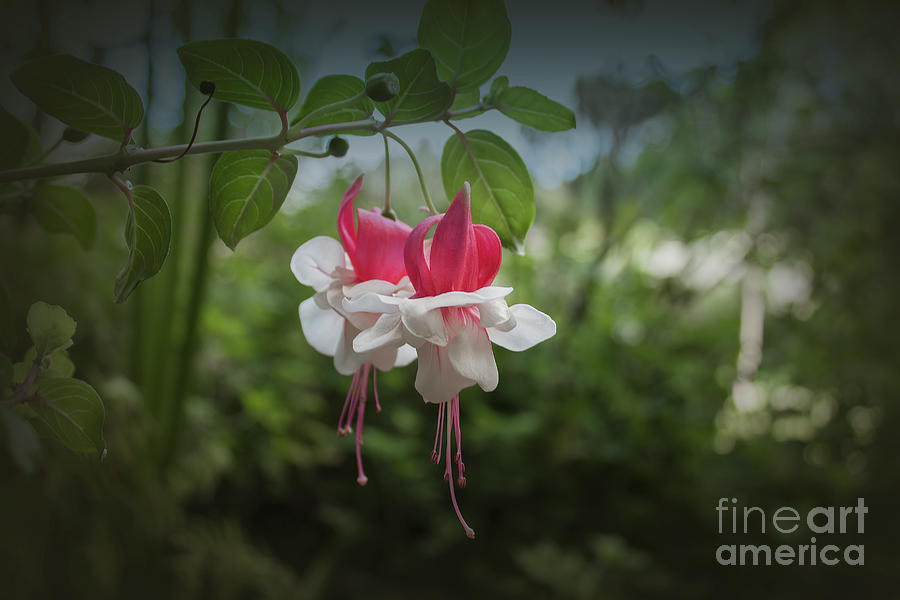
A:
[(387, 175), (120, 161), (306, 153), (415, 162)]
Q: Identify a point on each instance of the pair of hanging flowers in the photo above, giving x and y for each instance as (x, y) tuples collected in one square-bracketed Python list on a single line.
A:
[(386, 295)]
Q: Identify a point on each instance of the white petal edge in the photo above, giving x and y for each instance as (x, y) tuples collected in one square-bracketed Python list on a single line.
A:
[(471, 356), (385, 332), (314, 261), (405, 355), (532, 327), (321, 327)]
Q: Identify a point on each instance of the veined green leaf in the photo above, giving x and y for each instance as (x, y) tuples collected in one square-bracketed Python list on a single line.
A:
[(63, 209), (469, 39), (50, 327), (502, 192), (244, 72), (422, 95), (246, 190), (71, 411), (534, 109), (148, 232), (330, 90), (82, 94)]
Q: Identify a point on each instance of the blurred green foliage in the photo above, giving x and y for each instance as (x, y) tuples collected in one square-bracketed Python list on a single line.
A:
[(595, 468)]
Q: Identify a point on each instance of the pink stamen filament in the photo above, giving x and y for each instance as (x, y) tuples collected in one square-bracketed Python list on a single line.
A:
[(436, 451), (453, 423), (375, 389), (355, 407)]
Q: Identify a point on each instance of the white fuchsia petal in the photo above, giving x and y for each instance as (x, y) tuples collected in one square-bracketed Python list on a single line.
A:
[(405, 355), (314, 261), (532, 327), (375, 303), (424, 321), (434, 380), (346, 361), (321, 327), (495, 313), (385, 332), (471, 356)]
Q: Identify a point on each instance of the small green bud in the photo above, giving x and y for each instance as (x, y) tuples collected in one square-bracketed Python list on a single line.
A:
[(74, 135), (381, 87), (389, 214), (338, 146)]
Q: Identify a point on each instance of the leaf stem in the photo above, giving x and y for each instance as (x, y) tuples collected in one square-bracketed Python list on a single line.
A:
[(297, 152), (387, 175), (415, 162)]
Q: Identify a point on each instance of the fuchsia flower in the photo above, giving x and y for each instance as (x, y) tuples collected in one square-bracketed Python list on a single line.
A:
[(369, 259), (451, 319)]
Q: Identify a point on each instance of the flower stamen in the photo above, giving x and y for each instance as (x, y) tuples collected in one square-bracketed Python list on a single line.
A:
[(355, 408), (453, 423)]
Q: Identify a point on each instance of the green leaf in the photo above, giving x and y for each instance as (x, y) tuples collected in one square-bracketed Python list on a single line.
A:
[(16, 138), (244, 72), (330, 90), (534, 109), (502, 193), (148, 232), (246, 190), (469, 39), (422, 95), (6, 328), (50, 327), (63, 209), (81, 94), (71, 411), (498, 86), (57, 364), (23, 443), (465, 100)]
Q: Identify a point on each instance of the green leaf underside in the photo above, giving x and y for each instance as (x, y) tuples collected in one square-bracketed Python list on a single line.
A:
[(148, 232), (50, 327), (245, 72), (336, 88), (62, 209), (71, 411), (502, 192), (422, 95), (81, 94), (534, 109), (246, 190), (469, 39), (16, 139)]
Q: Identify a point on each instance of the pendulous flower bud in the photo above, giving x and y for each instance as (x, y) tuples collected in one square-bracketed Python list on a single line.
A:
[(338, 146), (381, 87)]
